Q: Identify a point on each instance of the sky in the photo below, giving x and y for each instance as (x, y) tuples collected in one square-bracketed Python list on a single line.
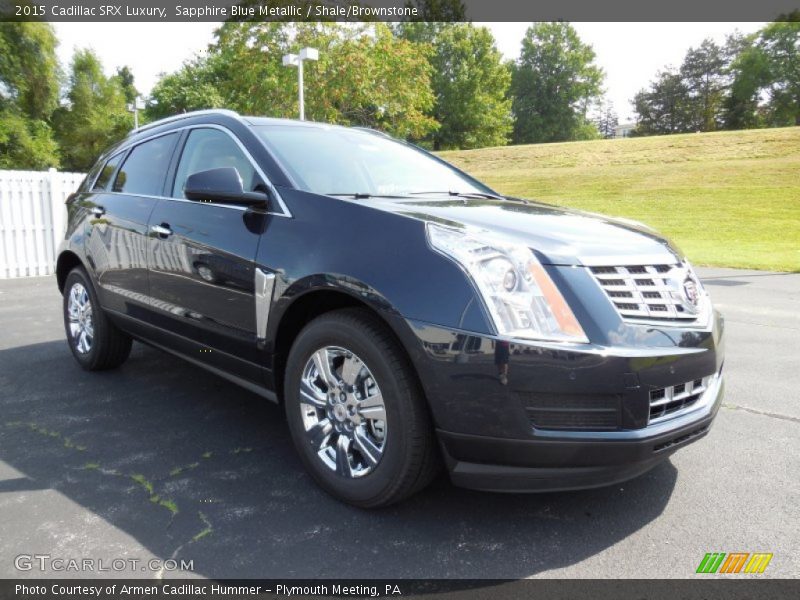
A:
[(630, 54)]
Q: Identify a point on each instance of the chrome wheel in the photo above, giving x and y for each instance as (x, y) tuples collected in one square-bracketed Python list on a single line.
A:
[(206, 273), (79, 315), (343, 412)]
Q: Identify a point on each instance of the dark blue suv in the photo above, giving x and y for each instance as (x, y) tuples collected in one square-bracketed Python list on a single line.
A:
[(406, 315)]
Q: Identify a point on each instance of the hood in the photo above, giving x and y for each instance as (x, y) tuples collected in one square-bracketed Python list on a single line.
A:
[(559, 236)]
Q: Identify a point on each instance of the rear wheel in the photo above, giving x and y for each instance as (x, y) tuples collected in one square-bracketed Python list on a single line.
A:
[(96, 343), (355, 411)]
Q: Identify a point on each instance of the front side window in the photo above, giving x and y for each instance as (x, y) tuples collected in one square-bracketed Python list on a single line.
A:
[(333, 160), (144, 170), (213, 149), (102, 181)]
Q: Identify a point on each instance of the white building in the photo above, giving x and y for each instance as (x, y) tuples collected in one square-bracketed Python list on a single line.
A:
[(624, 130)]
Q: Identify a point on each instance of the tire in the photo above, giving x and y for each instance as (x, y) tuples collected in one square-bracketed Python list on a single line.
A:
[(404, 445), (107, 347)]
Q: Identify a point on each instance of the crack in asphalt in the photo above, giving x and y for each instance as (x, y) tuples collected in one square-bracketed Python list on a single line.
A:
[(140, 480), (763, 413)]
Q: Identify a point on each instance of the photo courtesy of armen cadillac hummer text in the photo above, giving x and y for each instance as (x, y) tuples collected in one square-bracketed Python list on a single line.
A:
[(409, 318)]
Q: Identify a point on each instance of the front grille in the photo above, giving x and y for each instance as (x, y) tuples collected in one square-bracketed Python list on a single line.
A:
[(669, 401), (653, 293), (596, 413)]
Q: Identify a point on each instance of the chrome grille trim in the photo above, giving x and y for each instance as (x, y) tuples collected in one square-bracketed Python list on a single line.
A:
[(675, 400), (652, 293)]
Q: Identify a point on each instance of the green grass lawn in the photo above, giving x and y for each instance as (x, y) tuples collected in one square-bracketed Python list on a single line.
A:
[(727, 199)]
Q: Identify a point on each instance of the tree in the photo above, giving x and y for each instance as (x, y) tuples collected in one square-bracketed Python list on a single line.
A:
[(554, 82), (765, 69), (703, 75), (751, 81), (193, 87), (664, 108), (470, 83), (365, 76), (94, 115), (378, 81), (125, 79), (779, 47), (29, 79), (29, 74), (747, 71), (606, 119), (25, 144)]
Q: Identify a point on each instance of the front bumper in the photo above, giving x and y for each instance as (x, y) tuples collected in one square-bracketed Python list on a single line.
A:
[(545, 417), (572, 460)]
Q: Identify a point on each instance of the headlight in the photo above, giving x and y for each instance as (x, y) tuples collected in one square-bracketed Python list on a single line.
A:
[(521, 298)]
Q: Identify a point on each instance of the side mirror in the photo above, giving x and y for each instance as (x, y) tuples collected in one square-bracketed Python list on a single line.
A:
[(221, 185)]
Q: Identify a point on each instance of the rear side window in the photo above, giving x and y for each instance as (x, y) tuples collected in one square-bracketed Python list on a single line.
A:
[(144, 170), (102, 181)]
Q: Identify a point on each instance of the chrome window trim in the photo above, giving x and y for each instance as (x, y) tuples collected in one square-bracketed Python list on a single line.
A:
[(284, 209)]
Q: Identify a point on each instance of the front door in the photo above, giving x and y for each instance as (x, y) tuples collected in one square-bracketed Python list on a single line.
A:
[(201, 260)]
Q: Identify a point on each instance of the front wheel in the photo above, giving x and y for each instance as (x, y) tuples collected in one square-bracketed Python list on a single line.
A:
[(95, 341), (355, 411)]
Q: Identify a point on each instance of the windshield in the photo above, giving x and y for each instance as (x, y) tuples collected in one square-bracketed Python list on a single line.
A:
[(333, 160)]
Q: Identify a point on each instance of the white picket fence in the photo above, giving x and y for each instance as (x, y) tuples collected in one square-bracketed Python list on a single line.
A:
[(32, 220)]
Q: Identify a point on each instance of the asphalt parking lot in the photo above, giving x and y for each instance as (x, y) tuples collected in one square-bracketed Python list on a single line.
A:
[(160, 459)]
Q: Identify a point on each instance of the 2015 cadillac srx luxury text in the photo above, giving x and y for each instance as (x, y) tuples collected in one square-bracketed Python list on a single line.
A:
[(405, 315)]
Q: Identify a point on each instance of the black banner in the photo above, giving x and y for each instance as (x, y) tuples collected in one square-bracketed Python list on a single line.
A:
[(396, 10), (734, 588)]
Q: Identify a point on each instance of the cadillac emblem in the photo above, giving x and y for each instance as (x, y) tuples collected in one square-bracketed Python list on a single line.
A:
[(691, 294)]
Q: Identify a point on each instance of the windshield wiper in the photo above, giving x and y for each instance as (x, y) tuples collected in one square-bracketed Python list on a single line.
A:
[(461, 194), (361, 195), (475, 195)]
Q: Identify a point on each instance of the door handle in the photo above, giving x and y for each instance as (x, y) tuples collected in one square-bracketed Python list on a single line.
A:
[(162, 230), (98, 211)]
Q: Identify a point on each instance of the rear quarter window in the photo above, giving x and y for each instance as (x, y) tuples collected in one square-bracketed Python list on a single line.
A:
[(104, 178)]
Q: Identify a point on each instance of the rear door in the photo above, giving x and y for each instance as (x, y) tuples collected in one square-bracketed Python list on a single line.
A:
[(124, 195), (201, 259)]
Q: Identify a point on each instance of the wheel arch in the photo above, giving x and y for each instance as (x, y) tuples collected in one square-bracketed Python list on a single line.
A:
[(314, 303), (67, 261)]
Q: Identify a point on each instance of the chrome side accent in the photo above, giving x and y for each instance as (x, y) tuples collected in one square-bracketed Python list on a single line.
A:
[(265, 284)]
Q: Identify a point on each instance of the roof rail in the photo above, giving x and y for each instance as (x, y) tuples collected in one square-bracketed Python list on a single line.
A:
[(373, 131), (194, 113)]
